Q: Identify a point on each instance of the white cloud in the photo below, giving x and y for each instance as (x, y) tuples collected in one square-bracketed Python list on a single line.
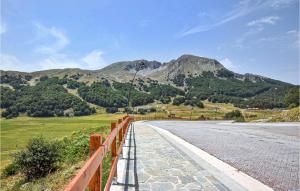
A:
[(94, 60), (289, 39), (51, 33), (240, 41), (11, 62), (58, 61), (265, 20), (227, 63), (3, 28), (242, 8), (257, 26), (281, 3), (52, 41)]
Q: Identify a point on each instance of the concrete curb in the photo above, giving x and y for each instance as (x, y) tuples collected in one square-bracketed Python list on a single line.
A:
[(244, 180)]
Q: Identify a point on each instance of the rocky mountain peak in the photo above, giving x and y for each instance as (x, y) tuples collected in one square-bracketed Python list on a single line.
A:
[(191, 59), (186, 64), (140, 65)]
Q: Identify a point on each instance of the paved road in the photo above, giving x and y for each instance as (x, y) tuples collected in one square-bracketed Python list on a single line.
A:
[(267, 152)]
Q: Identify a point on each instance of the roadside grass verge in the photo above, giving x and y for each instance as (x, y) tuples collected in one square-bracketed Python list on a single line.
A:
[(69, 138), (16, 132)]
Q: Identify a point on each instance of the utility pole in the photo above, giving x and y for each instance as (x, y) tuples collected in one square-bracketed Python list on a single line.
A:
[(138, 67), (191, 113)]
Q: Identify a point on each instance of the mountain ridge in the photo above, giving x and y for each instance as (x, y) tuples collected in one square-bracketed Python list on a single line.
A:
[(187, 80), (163, 72)]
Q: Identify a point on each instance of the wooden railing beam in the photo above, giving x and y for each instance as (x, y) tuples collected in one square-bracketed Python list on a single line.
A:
[(96, 181), (113, 146)]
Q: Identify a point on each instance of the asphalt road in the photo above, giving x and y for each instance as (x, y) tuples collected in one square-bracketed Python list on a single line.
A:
[(268, 152)]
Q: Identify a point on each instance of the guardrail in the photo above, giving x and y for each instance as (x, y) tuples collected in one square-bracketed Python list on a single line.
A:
[(149, 118), (90, 175)]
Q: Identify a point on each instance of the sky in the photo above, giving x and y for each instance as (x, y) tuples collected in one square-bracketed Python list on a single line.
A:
[(246, 36)]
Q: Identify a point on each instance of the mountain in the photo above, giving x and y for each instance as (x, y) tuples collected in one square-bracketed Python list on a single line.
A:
[(189, 65), (186, 80)]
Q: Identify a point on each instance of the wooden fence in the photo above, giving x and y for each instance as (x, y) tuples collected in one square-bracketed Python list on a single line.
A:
[(90, 175)]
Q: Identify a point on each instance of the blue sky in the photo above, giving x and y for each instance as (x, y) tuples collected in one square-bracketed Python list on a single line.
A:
[(247, 36)]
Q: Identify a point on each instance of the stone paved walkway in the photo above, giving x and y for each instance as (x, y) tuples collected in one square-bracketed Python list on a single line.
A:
[(150, 162)]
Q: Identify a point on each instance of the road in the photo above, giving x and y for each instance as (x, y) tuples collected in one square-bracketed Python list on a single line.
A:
[(269, 152)]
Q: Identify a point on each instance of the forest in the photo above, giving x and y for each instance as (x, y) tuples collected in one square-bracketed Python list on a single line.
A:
[(265, 94), (50, 96), (47, 98)]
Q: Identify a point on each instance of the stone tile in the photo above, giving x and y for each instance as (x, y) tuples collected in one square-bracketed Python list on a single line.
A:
[(162, 186)]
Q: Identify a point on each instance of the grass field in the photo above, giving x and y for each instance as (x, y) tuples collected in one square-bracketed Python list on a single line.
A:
[(16, 132)]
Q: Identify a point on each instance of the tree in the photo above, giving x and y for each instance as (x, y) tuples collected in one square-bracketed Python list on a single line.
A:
[(292, 98), (111, 110), (178, 100), (234, 115)]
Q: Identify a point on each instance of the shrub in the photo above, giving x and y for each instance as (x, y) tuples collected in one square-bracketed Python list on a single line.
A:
[(71, 84), (76, 147), (165, 100), (235, 115), (200, 104), (292, 98), (38, 159), (10, 112), (178, 100), (188, 102), (10, 170), (44, 78), (128, 110), (152, 109), (111, 109), (202, 117), (240, 119), (194, 102), (142, 111)]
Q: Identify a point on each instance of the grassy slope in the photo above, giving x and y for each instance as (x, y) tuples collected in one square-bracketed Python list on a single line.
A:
[(289, 115), (213, 111)]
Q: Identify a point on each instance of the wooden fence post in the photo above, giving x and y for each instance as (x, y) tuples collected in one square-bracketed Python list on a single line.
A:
[(123, 132), (96, 181), (113, 148), (120, 135)]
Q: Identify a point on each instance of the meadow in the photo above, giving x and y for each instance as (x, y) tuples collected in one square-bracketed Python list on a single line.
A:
[(16, 132)]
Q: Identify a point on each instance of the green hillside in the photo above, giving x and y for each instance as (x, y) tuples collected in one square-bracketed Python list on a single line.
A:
[(188, 80)]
